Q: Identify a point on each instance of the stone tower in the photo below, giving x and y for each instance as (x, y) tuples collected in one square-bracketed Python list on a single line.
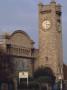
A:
[(50, 38)]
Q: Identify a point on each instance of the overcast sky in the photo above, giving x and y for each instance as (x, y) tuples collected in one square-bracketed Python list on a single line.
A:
[(23, 14)]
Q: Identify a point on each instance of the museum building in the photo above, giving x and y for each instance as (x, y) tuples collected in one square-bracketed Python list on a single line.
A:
[(26, 58)]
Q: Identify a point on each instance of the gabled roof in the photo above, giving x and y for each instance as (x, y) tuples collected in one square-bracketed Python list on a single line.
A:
[(20, 31)]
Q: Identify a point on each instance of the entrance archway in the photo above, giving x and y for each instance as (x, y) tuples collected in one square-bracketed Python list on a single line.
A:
[(45, 77)]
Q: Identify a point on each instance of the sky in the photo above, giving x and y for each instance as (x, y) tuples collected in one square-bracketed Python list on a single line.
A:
[(23, 15)]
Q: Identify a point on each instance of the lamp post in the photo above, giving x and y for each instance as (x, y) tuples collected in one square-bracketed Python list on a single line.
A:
[(61, 85)]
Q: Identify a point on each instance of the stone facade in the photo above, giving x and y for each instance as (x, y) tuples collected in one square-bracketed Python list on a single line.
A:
[(20, 46), (50, 38)]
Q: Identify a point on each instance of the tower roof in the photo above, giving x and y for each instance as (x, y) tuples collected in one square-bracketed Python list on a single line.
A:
[(40, 2), (53, 1)]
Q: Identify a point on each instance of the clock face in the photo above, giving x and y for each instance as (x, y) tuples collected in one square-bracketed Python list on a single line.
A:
[(46, 24)]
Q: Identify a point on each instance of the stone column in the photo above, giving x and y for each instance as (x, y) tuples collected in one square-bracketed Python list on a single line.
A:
[(15, 83)]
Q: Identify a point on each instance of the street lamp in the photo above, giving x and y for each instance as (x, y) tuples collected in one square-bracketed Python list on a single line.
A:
[(61, 85)]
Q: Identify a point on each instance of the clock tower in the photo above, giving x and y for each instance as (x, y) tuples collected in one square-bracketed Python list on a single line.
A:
[(50, 38)]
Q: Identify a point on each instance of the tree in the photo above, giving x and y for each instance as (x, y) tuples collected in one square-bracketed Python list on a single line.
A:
[(7, 68), (44, 74)]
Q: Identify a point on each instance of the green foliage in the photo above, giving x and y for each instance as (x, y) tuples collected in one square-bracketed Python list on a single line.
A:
[(7, 67), (44, 75)]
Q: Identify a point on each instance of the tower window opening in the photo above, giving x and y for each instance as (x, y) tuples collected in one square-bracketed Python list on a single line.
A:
[(46, 58)]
